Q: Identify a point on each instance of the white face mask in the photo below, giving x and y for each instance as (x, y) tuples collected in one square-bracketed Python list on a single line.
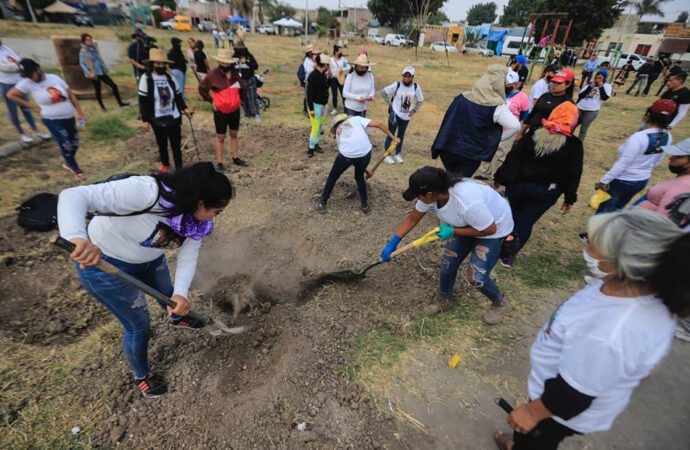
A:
[(593, 265)]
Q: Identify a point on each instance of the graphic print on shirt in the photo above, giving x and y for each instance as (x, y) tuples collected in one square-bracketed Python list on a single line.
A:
[(163, 236), (55, 95), (405, 102), (656, 141), (344, 131), (164, 98)]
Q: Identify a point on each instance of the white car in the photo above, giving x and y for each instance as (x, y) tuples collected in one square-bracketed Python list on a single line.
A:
[(637, 60), (477, 49), (397, 40), (377, 39), (265, 29), (167, 25), (441, 46)]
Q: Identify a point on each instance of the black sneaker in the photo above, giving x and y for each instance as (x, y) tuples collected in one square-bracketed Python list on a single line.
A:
[(186, 322), (123, 104), (310, 153), (366, 209), (480, 177), (220, 168), (584, 237), (318, 149), (240, 162), (152, 386), (320, 207)]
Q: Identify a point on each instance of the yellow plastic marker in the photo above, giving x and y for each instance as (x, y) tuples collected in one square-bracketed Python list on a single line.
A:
[(454, 361)]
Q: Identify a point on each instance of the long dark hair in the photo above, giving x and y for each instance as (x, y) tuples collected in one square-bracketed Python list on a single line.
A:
[(669, 281), (660, 120), (200, 181), (569, 90)]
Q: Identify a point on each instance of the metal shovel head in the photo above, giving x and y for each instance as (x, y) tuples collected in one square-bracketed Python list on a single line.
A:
[(220, 326), (350, 274)]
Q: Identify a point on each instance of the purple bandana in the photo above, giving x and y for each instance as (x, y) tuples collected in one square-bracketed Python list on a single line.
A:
[(185, 224)]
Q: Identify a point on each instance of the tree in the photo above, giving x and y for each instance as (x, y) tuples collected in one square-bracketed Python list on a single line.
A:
[(389, 12), (325, 18), (590, 17), (481, 13), (170, 4), (437, 18), (279, 10), (516, 11), (682, 17), (651, 7)]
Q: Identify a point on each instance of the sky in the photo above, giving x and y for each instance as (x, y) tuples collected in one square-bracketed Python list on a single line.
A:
[(457, 9)]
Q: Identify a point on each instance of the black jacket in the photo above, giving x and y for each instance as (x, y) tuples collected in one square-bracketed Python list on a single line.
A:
[(317, 89), (543, 107), (146, 107), (246, 69), (562, 167), (179, 61)]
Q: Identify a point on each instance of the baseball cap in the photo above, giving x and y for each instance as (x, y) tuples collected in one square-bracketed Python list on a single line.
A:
[(512, 77), (682, 148), (551, 68), (563, 76), (521, 59), (663, 106), (409, 70), (426, 179)]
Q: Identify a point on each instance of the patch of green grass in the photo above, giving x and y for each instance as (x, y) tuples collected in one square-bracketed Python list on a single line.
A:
[(109, 128), (52, 69), (547, 270)]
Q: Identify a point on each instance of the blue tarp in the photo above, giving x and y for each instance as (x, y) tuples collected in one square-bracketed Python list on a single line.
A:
[(495, 40), (237, 19), (496, 35)]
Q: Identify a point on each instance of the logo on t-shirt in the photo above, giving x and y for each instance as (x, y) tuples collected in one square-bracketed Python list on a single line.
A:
[(344, 131), (405, 102), (655, 142), (163, 236), (56, 95)]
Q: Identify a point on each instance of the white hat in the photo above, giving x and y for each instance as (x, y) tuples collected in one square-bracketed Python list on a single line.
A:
[(680, 149), (408, 69), (512, 77)]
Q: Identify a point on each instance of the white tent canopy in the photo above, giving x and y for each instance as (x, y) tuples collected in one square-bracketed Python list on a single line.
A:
[(290, 23)]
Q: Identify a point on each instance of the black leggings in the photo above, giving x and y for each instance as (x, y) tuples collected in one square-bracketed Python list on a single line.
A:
[(551, 433), (107, 80), (335, 88), (174, 134)]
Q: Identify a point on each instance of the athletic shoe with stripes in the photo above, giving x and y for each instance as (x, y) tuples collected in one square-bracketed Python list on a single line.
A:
[(152, 386), (186, 322)]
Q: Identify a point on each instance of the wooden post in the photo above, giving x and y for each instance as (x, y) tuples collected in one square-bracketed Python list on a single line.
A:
[(543, 31), (552, 41), (567, 32)]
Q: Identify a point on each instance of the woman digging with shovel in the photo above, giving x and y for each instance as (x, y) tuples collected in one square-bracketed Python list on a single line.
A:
[(478, 219), (139, 219)]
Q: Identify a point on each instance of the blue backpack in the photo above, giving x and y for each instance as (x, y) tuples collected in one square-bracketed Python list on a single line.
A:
[(302, 74)]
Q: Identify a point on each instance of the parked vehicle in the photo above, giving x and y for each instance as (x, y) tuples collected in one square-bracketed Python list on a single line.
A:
[(378, 40), (477, 49), (441, 46), (205, 25), (397, 40), (167, 25), (266, 29), (82, 20), (182, 23), (511, 45), (637, 60)]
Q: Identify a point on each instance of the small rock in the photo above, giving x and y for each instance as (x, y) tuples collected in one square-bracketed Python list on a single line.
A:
[(117, 433), (264, 351)]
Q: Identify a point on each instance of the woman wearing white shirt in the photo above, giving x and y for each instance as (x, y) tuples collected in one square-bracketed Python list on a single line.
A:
[(589, 101), (337, 64), (359, 88), (606, 339), (140, 218)]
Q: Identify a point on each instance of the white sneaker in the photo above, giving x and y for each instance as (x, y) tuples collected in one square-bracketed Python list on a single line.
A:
[(682, 334), (334, 112), (44, 136), (27, 139), (389, 160), (398, 158), (258, 118)]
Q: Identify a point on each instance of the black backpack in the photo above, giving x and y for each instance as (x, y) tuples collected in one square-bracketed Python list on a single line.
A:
[(39, 213)]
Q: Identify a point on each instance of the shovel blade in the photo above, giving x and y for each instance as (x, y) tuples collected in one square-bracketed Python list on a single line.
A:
[(224, 328)]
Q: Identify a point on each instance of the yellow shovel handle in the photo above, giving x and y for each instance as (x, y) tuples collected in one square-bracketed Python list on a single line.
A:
[(429, 237)]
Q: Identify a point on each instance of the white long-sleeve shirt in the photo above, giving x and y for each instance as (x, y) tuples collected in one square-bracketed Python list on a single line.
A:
[(308, 64), (335, 65), (638, 156), (405, 98), (132, 239), (9, 70), (682, 111), (358, 86)]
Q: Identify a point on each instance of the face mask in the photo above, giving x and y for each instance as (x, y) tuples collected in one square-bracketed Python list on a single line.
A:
[(159, 70), (676, 169), (226, 68), (643, 125), (593, 265), (361, 72), (548, 78)]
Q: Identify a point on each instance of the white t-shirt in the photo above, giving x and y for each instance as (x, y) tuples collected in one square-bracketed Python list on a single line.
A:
[(336, 65), (134, 239), (352, 138), (308, 67), (538, 89), (163, 95), (639, 155), (404, 98), (593, 101), (50, 94), (356, 87), (602, 346), (9, 71), (475, 205)]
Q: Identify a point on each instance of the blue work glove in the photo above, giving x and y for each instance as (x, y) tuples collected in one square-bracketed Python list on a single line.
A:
[(390, 248), (446, 232)]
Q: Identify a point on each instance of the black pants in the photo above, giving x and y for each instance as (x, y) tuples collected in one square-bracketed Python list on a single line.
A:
[(459, 165), (335, 88), (174, 134), (652, 78), (551, 433), (107, 80)]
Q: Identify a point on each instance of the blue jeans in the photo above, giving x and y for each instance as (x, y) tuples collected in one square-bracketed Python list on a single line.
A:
[(396, 123), (128, 304), (12, 109), (484, 256), (65, 133), (181, 78), (641, 79), (528, 202), (340, 165), (621, 192)]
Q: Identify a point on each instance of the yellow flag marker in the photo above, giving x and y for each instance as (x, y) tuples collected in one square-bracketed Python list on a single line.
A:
[(454, 361)]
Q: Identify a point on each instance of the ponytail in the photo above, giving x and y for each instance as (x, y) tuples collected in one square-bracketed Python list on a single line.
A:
[(670, 279)]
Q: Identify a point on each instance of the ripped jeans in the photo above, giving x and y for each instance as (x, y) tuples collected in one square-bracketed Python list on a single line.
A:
[(483, 258), (128, 304)]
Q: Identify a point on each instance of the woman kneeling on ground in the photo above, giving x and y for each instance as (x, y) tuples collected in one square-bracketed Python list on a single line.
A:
[(608, 338), (142, 217), (478, 219), (544, 164), (354, 149)]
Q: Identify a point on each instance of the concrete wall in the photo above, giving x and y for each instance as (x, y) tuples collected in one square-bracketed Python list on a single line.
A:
[(630, 41)]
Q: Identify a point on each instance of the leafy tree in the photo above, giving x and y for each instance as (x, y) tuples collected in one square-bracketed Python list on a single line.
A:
[(682, 17), (438, 18), (516, 11), (170, 4), (389, 12), (590, 17), (279, 10), (325, 18), (481, 13), (651, 7)]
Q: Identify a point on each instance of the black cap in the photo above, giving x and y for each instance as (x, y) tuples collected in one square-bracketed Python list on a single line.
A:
[(552, 68), (137, 32), (175, 41), (426, 179), (27, 67)]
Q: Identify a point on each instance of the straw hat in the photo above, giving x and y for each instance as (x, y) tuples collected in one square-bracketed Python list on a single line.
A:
[(340, 118), (157, 55), (309, 48), (340, 76), (225, 56), (363, 60)]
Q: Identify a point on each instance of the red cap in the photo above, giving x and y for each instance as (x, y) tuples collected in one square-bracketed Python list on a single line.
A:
[(563, 76), (663, 106)]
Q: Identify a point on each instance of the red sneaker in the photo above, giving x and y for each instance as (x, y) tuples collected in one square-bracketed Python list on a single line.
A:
[(164, 169)]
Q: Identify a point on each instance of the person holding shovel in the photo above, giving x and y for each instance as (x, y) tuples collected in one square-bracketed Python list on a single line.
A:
[(354, 149), (228, 91), (475, 219), (139, 218), (317, 99)]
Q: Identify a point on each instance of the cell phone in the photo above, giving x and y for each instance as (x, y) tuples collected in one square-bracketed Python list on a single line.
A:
[(82, 123)]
